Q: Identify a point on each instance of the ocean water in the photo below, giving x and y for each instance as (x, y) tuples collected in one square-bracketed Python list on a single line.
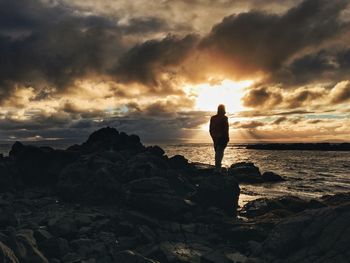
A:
[(309, 174)]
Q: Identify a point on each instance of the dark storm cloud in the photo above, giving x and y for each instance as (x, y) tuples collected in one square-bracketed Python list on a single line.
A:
[(329, 65), (45, 46), (146, 62), (270, 97), (47, 43), (42, 44), (144, 25), (254, 41), (262, 97), (302, 97)]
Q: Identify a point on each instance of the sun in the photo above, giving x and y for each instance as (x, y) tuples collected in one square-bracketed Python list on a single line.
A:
[(228, 92)]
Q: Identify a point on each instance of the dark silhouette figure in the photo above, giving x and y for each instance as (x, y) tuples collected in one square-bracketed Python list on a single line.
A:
[(220, 135)]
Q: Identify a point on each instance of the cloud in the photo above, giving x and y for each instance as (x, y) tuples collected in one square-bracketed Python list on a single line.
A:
[(279, 120), (143, 25), (154, 63), (325, 65), (81, 65), (248, 125), (251, 42), (262, 97), (51, 45), (341, 92), (314, 97)]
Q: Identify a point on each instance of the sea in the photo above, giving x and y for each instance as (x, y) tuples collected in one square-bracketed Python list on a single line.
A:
[(308, 174)]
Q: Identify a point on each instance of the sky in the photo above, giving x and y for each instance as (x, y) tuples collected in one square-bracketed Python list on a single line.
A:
[(160, 68)]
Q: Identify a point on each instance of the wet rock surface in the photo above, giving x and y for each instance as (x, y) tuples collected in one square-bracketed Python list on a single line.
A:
[(246, 172), (112, 199)]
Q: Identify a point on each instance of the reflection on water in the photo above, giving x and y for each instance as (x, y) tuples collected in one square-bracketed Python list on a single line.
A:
[(308, 173)]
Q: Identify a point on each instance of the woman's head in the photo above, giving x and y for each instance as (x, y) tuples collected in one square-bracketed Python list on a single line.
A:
[(221, 109)]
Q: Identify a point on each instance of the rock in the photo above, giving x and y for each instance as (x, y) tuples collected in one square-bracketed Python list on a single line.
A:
[(281, 206), (63, 226), (83, 246), (124, 228), (244, 172), (6, 178), (155, 150), (41, 235), (71, 258), (215, 257), (110, 139), (39, 166), (336, 199), (7, 255), (272, 177), (143, 165), (159, 205), (140, 218), (128, 242), (155, 196), (179, 252), (25, 248), (129, 256), (98, 184), (244, 233), (239, 258), (7, 215), (16, 149), (322, 235), (54, 247), (178, 162), (149, 185), (245, 168), (147, 234), (218, 191)]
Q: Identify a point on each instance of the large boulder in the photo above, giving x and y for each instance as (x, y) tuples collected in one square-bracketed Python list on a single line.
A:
[(155, 196), (6, 177), (178, 162), (110, 139), (7, 214), (278, 207), (92, 180), (246, 172), (323, 235), (271, 177), (38, 166), (218, 191), (143, 165)]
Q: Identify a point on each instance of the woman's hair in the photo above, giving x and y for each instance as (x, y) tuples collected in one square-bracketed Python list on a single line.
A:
[(221, 109)]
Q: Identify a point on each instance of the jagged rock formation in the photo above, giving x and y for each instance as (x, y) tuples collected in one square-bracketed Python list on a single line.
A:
[(111, 199)]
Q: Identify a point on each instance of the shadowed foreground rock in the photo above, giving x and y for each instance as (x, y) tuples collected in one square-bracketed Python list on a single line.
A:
[(320, 235), (111, 199)]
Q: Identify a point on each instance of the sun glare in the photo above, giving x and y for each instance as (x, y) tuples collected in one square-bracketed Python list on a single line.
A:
[(228, 92)]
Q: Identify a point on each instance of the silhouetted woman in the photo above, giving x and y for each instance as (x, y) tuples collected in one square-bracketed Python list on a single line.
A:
[(219, 132)]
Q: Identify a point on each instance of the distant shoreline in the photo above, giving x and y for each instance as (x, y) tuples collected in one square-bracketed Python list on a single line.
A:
[(299, 146)]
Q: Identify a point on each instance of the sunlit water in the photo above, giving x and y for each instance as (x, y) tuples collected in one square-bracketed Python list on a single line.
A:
[(308, 173)]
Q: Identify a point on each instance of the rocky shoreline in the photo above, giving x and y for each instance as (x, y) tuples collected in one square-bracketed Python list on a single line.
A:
[(112, 199)]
